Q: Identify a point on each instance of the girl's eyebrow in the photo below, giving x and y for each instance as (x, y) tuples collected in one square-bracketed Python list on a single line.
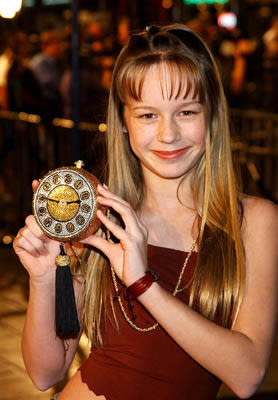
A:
[(147, 107)]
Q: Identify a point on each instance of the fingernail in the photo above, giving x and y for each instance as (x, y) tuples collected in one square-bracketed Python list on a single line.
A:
[(106, 187)]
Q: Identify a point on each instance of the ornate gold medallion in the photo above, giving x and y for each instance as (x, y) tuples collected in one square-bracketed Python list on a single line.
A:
[(65, 205)]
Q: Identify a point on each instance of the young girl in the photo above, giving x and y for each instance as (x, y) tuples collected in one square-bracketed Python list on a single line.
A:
[(175, 208)]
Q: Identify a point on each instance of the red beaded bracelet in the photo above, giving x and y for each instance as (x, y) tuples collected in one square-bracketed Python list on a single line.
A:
[(141, 285)]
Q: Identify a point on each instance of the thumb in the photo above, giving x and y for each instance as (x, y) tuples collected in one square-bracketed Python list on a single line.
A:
[(35, 185)]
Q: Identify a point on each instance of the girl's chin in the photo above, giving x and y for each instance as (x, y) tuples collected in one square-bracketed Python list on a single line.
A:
[(171, 175)]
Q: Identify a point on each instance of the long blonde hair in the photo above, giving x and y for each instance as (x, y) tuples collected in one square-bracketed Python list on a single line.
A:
[(219, 279)]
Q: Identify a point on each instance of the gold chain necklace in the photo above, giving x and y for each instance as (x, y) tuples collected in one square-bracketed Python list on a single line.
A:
[(150, 328)]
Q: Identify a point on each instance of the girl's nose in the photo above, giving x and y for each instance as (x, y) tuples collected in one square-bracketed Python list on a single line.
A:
[(168, 131)]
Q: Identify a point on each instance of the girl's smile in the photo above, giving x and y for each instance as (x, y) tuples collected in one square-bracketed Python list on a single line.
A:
[(170, 155)]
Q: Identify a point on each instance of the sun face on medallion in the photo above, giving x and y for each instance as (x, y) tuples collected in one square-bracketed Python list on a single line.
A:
[(63, 203)]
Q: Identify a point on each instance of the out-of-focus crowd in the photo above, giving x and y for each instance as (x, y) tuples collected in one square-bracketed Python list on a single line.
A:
[(249, 63), (37, 79)]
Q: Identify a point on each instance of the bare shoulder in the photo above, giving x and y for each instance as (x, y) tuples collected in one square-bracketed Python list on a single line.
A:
[(260, 216), (258, 205)]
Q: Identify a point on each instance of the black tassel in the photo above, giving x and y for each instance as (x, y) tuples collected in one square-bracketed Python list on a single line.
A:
[(67, 324)]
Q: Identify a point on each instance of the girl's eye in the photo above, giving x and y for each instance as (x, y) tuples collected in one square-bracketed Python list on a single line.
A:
[(147, 116), (187, 112)]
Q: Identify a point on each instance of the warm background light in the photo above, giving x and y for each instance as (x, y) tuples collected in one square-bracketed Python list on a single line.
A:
[(9, 8)]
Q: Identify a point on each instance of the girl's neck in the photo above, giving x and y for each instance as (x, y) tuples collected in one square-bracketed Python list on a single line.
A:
[(170, 222), (166, 195), (169, 213)]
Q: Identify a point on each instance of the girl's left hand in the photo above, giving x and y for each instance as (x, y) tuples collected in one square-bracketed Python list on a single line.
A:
[(128, 257)]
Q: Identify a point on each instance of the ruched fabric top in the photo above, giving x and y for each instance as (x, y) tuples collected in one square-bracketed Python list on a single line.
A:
[(133, 365)]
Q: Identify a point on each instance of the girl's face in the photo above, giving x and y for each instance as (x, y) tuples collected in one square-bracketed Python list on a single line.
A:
[(166, 132)]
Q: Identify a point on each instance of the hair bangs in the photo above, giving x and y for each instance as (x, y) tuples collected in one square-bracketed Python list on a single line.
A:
[(132, 75), (184, 76), (184, 79)]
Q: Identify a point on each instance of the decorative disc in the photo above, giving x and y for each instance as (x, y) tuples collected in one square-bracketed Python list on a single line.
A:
[(65, 205)]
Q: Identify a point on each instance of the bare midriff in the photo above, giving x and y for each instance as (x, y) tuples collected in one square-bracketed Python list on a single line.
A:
[(75, 389)]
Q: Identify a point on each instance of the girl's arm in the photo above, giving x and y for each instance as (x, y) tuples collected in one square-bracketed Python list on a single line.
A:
[(46, 356), (239, 356)]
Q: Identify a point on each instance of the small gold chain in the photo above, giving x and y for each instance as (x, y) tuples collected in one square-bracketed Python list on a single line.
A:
[(184, 266), (150, 328)]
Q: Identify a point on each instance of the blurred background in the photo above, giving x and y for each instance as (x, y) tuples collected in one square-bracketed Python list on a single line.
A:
[(56, 61)]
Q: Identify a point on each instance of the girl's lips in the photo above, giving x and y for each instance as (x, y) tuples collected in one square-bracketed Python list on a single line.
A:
[(170, 155)]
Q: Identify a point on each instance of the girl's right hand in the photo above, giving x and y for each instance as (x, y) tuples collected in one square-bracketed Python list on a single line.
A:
[(35, 250)]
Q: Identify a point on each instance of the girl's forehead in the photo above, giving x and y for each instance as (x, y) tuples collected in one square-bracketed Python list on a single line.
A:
[(169, 80), (161, 78)]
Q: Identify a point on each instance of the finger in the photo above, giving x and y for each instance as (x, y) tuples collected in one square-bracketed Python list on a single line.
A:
[(105, 192), (32, 224), (35, 185), (22, 244), (115, 229), (98, 242), (34, 241), (131, 221)]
